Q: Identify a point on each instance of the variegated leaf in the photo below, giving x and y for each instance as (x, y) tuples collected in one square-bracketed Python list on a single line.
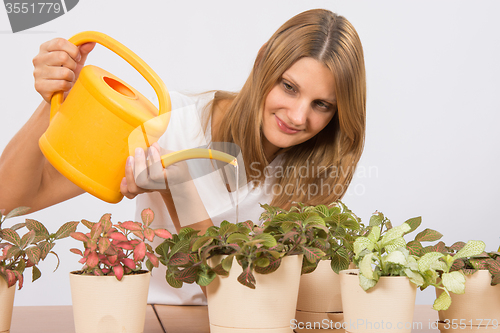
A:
[(428, 235), (66, 229), (471, 248), (443, 302), (147, 216), (454, 282)]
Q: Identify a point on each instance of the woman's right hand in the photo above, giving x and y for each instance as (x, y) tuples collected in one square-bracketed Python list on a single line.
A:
[(58, 65)]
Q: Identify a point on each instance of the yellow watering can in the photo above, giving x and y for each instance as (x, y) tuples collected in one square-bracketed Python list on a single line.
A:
[(103, 120)]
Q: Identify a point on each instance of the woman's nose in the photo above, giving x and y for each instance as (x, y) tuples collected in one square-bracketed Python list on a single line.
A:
[(298, 113)]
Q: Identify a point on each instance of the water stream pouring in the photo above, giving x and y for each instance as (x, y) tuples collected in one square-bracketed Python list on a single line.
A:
[(88, 136)]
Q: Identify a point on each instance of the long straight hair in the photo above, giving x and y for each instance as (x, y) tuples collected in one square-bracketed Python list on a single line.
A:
[(329, 159)]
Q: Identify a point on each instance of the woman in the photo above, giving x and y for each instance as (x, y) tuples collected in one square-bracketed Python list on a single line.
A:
[(301, 112)]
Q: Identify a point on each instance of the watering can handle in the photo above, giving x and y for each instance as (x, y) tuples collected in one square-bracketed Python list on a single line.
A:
[(130, 57)]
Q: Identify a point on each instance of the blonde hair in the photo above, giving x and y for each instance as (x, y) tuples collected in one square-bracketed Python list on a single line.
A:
[(334, 152)]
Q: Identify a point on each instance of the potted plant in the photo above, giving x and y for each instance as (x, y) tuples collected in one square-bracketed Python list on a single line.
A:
[(113, 276), (466, 281), (21, 252), (259, 263), (381, 294), (319, 291)]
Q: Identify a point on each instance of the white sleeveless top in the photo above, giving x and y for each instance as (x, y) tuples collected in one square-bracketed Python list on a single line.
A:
[(186, 130)]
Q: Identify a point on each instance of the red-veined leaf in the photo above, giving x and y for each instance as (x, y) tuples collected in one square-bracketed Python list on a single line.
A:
[(163, 233), (153, 259), (96, 231), (132, 226), (41, 231), (149, 234), (33, 254), (27, 239), (66, 229), (104, 244), (147, 216), (129, 263), (246, 278), (124, 245), (139, 234), (76, 251), (428, 235), (187, 275), (92, 259), (179, 259), (139, 252), (312, 254), (118, 270), (118, 236), (11, 236), (17, 212), (88, 224), (112, 259), (80, 236)]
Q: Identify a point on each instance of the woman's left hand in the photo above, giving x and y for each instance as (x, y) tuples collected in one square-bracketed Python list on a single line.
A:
[(148, 175)]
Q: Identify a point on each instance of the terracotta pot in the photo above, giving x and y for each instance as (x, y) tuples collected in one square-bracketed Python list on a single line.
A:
[(387, 307), (6, 305), (102, 304), (480, 302), (319, 295), (270, 307)]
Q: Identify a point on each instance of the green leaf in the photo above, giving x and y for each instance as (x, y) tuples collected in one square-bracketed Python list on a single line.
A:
[(443, 302), (17, 226), (365, 283), (313, 254), (427, 260), (339, 263), (35, 274), (262, 262), (414, 223), (374, 234), (395, 244), (172, 281), (202, 242), (471, 248), (237, 238), (454, 282), (45, 248), (227, 228), (17, 212), (365, 266), (322, 210), (269, 240), (204, 278), (271, 267), (376, 219), (187, 275), (227, 262), (428, 235), (66, 229), (396, 257), (395, 233), (362, 243), (415, 277), (11, 236), (314, 220)]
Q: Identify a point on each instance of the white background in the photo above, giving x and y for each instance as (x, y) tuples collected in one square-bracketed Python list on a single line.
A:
[(433, 84)]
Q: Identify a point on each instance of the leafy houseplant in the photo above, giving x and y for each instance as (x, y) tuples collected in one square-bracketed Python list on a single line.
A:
[(112, 275), (255, 248), (118, 249), (21, 252), (444, 267), (259, 263), (388, 271), (319, 292)]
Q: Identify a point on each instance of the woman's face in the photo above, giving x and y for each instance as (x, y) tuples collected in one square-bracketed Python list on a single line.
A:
[(299, 106)]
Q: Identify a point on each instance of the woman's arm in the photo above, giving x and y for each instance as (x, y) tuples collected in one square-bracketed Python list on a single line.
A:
[(26, 177)]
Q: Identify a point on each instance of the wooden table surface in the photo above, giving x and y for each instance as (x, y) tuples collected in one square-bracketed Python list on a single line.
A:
[(160, 319)]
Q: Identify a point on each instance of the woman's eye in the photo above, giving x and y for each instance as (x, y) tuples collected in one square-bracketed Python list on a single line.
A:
[(322, 105), (288, 86)]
